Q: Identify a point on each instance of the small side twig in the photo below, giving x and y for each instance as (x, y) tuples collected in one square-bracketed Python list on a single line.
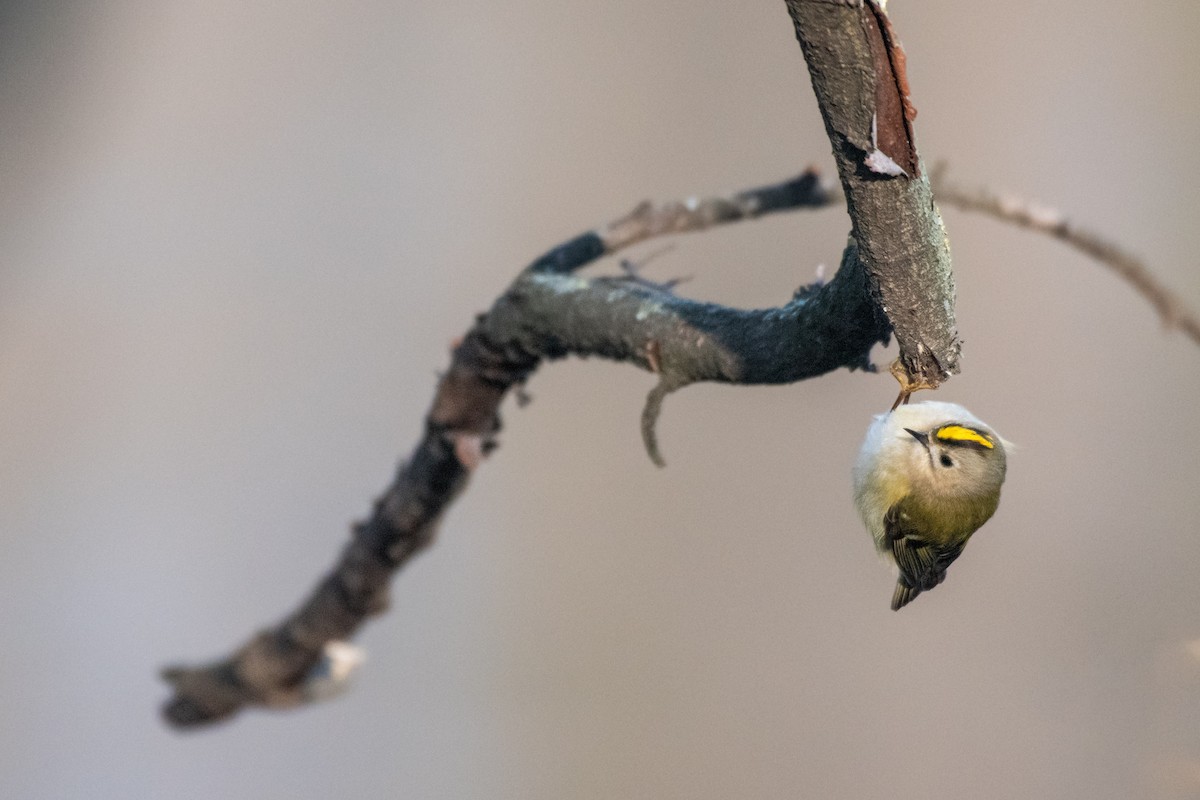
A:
[(633, 272), (650, 412)]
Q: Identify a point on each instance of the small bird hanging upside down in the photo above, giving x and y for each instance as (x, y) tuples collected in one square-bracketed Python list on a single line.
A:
[(927, 477)]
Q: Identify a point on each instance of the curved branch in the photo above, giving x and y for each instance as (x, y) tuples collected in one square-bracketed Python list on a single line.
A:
[(547, 313)]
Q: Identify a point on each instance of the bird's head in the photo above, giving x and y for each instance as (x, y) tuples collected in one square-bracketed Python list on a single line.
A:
[(957, 458)]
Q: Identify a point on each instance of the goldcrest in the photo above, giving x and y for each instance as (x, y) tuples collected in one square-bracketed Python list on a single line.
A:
[(927, 477)]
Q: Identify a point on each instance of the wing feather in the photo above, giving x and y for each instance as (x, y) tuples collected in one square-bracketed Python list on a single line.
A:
[(922, 563)]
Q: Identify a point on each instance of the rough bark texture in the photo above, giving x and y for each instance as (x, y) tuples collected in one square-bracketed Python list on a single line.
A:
[(895, 272), (857, 70)]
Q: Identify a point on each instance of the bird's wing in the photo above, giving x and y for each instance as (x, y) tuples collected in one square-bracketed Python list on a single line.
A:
[(922, 563)]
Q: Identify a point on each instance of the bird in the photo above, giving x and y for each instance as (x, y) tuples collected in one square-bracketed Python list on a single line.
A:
[(927, 477)]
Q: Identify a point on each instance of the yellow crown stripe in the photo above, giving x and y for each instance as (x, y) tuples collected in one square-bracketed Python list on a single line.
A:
[(959, 433)]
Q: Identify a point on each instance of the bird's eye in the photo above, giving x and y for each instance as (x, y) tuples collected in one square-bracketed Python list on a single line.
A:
[(947, 461)]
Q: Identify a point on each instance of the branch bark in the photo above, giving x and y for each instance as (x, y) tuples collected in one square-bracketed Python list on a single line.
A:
[(894, 273), (857, 68)]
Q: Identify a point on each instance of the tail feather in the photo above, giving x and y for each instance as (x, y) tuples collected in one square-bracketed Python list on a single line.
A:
[(903, 595)]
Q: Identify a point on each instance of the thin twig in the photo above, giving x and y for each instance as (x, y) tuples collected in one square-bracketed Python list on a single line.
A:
[(1033, 216)]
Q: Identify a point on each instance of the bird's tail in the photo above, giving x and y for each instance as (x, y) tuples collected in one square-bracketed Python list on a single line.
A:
[(903, 595)]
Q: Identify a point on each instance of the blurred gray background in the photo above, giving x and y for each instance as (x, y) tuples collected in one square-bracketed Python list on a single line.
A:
[(237, 238)]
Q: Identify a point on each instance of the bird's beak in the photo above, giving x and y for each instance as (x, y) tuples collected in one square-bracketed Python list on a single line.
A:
[(923, 438)]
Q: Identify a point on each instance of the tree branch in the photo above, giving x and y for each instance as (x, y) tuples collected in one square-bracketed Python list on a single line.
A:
[(858, 73), (894, 273), (547, 313)]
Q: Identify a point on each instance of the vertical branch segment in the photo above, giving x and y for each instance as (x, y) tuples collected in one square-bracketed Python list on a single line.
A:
[(858, 73)]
